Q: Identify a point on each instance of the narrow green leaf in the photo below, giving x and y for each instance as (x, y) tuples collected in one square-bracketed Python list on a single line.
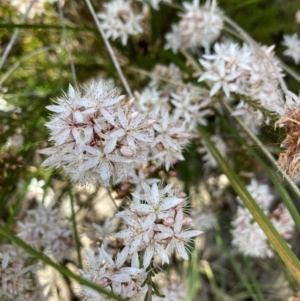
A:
[(278, 243), (63, 270), (272, 175), (74, 223)]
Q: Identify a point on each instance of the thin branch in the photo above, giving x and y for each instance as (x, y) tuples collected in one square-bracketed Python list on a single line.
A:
[(110, 50), (63, 270), (74, 223), (15, 35), (23, 59), (112, 199), (65, 35)]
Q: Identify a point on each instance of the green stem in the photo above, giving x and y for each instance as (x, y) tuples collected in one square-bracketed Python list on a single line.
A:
[(74, 223), (63, 270), (283, 193), (278, 243)]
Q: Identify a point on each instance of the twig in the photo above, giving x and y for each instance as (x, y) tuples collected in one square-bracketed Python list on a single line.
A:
[(77, 242), (15, 35), (23, 59), (111, 197), (110, 50), (65, 35)]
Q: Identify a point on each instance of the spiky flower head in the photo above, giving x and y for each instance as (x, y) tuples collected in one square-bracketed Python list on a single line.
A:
[(97, 135)]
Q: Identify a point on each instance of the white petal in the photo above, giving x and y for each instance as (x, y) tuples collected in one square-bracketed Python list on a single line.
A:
[(170, 202), (148, 256)]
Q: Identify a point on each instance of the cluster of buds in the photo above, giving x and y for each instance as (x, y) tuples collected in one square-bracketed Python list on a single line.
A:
[(98, 137)]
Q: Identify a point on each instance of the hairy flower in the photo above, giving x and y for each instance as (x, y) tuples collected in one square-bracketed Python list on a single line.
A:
[(289, 160), (292, 42), (97, 135), (155, 219), (119, 20), (198, 26), (113, 275)]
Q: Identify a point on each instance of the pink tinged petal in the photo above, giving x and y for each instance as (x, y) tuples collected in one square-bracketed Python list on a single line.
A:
[(148, 256), (163, 228), (85, 102), (130, 270), (77, 117), (48, 151), (117, 287), (104, 172), (149, 221), (178, 221), (147, 123), (56, 109), (118, 159), (122, 118), (126, 151), (76, 135), (162, 253), (91, 150), (122, 257), (129, 220), (154, 196), (170, 202), (62, 136), (106, 257), (142, 137), (71, 91), (147, 189), (181, 249), (110, 145), (136, 119), (135, 263), (108, 117), (118, 133), (162, 236), (142, 209), (120, 278), (124, 234), (135, 243), (88, 165), (110, 102), (131, 142), (189, 234)]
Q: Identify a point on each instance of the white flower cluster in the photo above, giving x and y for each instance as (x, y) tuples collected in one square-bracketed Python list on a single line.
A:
[(155, 220), (114, 276), (36, 9), (292, 42), (119, 20), (17, 281), (44, 230), (251, 73), (98, 137), (199, 26), (177, 112), (248, 237)]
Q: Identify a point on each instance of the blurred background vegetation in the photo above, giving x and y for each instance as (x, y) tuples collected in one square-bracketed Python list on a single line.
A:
[(38, 70)]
